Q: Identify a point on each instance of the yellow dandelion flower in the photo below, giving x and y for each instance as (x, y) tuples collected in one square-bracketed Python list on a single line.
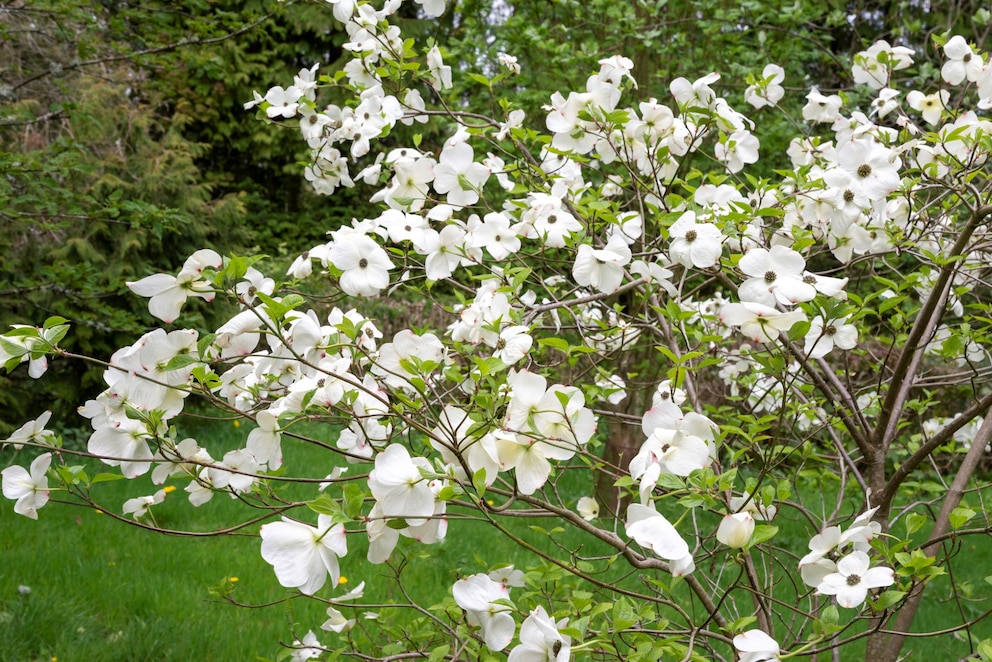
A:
[(168, 489), (342, 580), (236, 424), (234, 579)]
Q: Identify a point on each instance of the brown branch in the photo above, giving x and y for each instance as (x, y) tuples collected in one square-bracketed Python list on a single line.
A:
[(888, 648), (902, 376), (942, 437)]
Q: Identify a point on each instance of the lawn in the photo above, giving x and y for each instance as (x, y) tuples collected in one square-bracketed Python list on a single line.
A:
[(79, 585)]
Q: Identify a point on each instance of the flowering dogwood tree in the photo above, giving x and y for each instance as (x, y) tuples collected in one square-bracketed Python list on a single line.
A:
[(609, 270)]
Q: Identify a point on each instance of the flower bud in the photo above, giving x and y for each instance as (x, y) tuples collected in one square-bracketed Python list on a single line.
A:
[(735, 530)]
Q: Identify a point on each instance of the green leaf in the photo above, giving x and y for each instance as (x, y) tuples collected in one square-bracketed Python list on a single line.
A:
[(203, 343), (984, 650), (556, 343), (741, 623), (479, 482), (671, 482), (180, 361), (17, 350), (762, 532), (960, 515), (354, 499), (799, 330), (105, 478), (449, 492), (439, 653), (624, 615), (478, 78), (914, 522), (887, 599), (324, 505)]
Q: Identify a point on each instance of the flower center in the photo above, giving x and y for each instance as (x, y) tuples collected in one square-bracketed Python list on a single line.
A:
[(967, 58), (552, 219), (848, 195), (864, 170), (853, 580), (363, 263), (501, 343), (770, 276), (830, 330), (690, 236), (809, 280)]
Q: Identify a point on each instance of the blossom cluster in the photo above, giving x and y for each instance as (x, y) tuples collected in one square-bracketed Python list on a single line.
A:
[(540, 252)]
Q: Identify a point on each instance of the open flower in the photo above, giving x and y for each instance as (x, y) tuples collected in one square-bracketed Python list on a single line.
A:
[(398, 486), (775, 275), (931, 106), (695, 244), (138, 506), (365, 265), (479, 596), (264, 441), (28, 488), (513, 344), (169, 293), (301, 555), (739, 149), (962, 63), (540, 640), (823, 336), (768, 90), (757, 321), (651, 530), (854, 578), (306, 649), (459, 176), (601, 269), (32, 431)]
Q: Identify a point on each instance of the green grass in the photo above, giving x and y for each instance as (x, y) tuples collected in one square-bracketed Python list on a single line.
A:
[(105, 591)]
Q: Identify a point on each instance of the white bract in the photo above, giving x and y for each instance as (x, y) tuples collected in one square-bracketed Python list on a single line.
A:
[(302, 555), (651, 530), (540, 640), (736, 529), (756, 646), (483, 600), (167, 294), (29, 488)]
